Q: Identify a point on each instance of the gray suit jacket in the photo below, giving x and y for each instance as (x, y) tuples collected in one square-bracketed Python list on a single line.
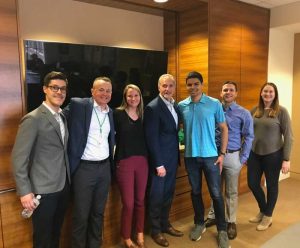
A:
[(39, 156)]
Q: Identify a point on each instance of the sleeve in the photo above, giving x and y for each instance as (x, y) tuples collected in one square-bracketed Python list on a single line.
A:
[(220, 117), (247, 135), (21, 153), (286, 131), (151, 126)]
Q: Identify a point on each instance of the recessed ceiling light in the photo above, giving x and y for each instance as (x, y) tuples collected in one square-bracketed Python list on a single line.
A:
[(160, 1)]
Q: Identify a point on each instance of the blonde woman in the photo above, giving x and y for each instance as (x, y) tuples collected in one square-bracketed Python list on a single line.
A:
[(131, 164)]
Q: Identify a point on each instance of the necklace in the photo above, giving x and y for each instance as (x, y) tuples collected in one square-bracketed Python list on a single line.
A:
[(100, 123)]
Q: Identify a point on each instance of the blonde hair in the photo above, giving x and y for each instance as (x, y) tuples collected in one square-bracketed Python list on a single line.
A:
[(124, 104), (261, 105)]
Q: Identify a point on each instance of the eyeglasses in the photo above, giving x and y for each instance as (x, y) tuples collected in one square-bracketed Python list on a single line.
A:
[(55, 88)]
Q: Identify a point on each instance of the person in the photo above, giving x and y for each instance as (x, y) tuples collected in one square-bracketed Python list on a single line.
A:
[(270, 152), (131, 163), (40, 163), (240, 137), (161, 129), (200, 114), (92, 138)]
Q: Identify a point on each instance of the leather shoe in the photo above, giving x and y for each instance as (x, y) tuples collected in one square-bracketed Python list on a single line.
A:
[(160, 239), (130, 246), (141, 244), (210, 222), (173, 232), (231, 230)]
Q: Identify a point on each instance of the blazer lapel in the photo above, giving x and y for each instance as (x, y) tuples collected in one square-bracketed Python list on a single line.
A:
[(52, 120), (89, 110), (66, 129), (165, 109)]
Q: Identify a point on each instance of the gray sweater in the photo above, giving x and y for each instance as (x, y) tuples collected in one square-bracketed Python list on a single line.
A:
[(272, 134)]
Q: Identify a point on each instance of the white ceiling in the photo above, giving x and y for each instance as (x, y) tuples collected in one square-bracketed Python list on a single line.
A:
[(269, 3)]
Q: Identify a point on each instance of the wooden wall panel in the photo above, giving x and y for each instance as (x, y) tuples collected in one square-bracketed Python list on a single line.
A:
[(193, 46), (16, 230), (254, 53), (10, 88), (170, 41), (224, 45), (112, 217), (1, 231), (238, 48)]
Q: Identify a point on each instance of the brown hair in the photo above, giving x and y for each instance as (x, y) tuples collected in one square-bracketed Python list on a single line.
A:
[(54, 75), (124, 104), (274, 106)]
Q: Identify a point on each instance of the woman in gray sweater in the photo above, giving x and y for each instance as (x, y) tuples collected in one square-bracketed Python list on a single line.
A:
[(270, 152)]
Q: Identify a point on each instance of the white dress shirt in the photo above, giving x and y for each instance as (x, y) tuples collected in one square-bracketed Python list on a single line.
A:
[(97, 147)]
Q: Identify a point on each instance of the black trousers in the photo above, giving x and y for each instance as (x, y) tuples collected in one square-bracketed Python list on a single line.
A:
[(160, 200), (270, 166), (91, 184), (48, 218)]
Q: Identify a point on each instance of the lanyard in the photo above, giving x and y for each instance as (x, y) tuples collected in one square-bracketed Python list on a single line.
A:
[(100, 124)]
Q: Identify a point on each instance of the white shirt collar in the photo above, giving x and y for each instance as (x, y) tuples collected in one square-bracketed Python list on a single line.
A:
[(105, 111), (50, 109), (172, 101)]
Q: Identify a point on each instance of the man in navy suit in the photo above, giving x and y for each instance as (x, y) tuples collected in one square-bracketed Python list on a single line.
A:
[(161, 131), (90, 154)]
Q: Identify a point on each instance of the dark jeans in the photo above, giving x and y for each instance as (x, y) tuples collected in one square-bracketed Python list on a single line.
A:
[(90, 190), (270, 165), (48, 218), (194, 167)]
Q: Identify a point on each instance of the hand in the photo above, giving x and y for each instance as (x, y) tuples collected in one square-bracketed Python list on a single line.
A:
[(27, 201), (161, 171), (285, 168), (220, 162)]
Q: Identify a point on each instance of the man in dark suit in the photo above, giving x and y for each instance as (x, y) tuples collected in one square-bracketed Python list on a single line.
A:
[(40, 163), (161, 131), (90, 152)]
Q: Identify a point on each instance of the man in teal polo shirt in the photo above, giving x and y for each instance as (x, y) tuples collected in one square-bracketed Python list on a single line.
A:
[(200, 114)]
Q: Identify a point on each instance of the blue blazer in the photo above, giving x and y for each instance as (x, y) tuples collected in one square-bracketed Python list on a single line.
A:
[(161, 134), (79, 115)]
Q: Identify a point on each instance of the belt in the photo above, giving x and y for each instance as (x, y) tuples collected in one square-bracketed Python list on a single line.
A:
[(93, 162), (232, 151)]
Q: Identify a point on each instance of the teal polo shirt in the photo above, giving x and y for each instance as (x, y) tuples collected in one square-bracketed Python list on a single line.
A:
[(199, 119)]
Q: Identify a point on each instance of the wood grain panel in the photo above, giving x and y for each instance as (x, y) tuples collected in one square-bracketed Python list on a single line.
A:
[(10, 88), (224, 45), (17, 231), (147, 6), (170, 41), (193, 46), (1, 231), (254, 55), (238, 48), (112, 217), (243, 185)]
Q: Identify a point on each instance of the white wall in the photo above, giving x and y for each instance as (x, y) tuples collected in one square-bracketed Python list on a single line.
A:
[(285, 21), (280, 64), (77, 22), (285, 15)]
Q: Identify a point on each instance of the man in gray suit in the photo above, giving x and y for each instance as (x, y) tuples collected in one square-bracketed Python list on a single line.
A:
[(40, 162)]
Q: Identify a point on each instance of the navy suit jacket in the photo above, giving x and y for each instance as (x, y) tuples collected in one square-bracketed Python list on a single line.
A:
[(79, 115), (161, 134)]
